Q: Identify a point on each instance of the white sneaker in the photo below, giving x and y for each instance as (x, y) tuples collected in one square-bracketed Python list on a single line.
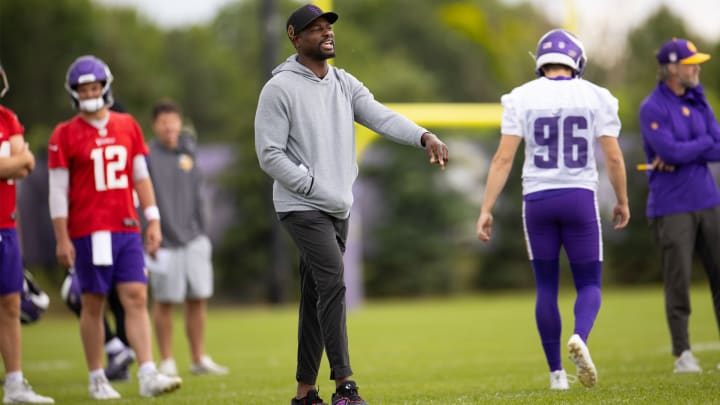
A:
[(155, 383), (559, 380), (580, 355), (100, 388), (22, 393), (687, 363), (168, 367), (208, 366)]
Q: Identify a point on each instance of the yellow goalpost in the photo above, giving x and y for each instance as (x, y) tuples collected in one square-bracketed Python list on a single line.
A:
[(444, 115)]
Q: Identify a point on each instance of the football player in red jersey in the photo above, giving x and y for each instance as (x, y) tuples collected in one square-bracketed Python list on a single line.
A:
[(96, 160), (16, 162)]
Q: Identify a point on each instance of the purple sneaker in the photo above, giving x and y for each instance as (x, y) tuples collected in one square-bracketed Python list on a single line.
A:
[(312, 398), (347, 394)]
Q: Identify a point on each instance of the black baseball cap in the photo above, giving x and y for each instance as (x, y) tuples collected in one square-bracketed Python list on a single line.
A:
[(302, 17)]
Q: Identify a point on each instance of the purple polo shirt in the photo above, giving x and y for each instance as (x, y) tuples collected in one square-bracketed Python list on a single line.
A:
[(683, 131)]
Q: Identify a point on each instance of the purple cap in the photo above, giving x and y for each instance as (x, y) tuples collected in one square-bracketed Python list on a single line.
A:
[(680, 51), (302, 17)]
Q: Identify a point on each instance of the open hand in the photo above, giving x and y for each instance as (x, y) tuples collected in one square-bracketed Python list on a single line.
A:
[(436, 149)]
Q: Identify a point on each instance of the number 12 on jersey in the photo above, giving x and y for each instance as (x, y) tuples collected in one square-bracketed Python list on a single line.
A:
[(109, 165)]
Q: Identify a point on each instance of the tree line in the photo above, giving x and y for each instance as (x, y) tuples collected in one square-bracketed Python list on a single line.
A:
[(417, 224)]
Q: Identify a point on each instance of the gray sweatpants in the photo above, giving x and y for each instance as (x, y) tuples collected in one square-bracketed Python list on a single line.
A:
[(679, 236), (320, 239)]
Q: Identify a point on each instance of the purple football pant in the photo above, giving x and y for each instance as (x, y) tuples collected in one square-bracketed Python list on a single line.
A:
[(128, 263), (11, 268), (567, 218)]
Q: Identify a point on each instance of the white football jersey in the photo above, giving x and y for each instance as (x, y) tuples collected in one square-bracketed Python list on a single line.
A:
[(560, 121)]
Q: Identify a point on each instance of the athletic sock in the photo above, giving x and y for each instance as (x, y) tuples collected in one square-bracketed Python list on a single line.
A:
[(14, 377), (95, 374), (146, 368)]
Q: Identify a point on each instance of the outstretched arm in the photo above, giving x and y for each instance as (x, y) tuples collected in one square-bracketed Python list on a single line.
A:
[(436, 149), (497, 177)]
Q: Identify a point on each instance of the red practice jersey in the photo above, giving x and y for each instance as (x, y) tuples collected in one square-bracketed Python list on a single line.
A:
[(9, 126), (100, 165)]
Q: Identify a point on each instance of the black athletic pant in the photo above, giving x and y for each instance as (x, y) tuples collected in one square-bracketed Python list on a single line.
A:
[(679, 236), (119, 314), (320, 239)]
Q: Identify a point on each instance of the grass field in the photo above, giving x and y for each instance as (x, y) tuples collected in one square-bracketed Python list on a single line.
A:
[(481, 349)]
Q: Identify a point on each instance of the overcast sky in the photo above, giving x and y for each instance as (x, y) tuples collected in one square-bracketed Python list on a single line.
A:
[(599, 23), (174, 13), (606, 23)]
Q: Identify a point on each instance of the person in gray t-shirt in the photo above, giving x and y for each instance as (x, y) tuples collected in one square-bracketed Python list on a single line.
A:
[(182, 270), (305, 141)]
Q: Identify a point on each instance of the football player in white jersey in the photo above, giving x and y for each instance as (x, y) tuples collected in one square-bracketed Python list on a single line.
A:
[(560, 117)]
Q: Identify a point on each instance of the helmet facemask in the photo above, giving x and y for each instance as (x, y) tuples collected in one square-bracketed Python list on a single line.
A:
[(88, 69)]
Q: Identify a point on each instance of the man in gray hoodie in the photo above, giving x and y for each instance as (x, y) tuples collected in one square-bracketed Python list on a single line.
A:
[(305, 141)]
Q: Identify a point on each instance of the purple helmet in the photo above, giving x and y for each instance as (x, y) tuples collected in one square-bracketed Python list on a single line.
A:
[(88, 69), (33, 300), (561, 47)]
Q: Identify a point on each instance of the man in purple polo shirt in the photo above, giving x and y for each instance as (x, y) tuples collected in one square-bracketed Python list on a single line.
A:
[(680, 136)]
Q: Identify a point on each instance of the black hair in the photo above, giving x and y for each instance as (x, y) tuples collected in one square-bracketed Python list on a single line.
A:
[(165, 106)]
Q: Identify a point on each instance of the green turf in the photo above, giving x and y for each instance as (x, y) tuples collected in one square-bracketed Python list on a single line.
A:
[(472, 350)]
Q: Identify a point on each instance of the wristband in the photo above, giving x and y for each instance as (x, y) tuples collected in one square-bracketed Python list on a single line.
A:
[(152, 213)]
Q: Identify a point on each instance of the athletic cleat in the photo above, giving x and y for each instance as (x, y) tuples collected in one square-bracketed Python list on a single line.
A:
[(208, 366), (559, 380), (347, 394), (118, 364), (22, 393), (687, 363), (580, 355), (100, 388), (153, 384), (312, 398), (168, 367)]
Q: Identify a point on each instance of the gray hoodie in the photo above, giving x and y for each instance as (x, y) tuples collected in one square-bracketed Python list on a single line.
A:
[(305, 135)]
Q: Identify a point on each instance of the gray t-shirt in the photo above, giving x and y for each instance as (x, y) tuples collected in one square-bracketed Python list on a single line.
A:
[(178, 191)]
